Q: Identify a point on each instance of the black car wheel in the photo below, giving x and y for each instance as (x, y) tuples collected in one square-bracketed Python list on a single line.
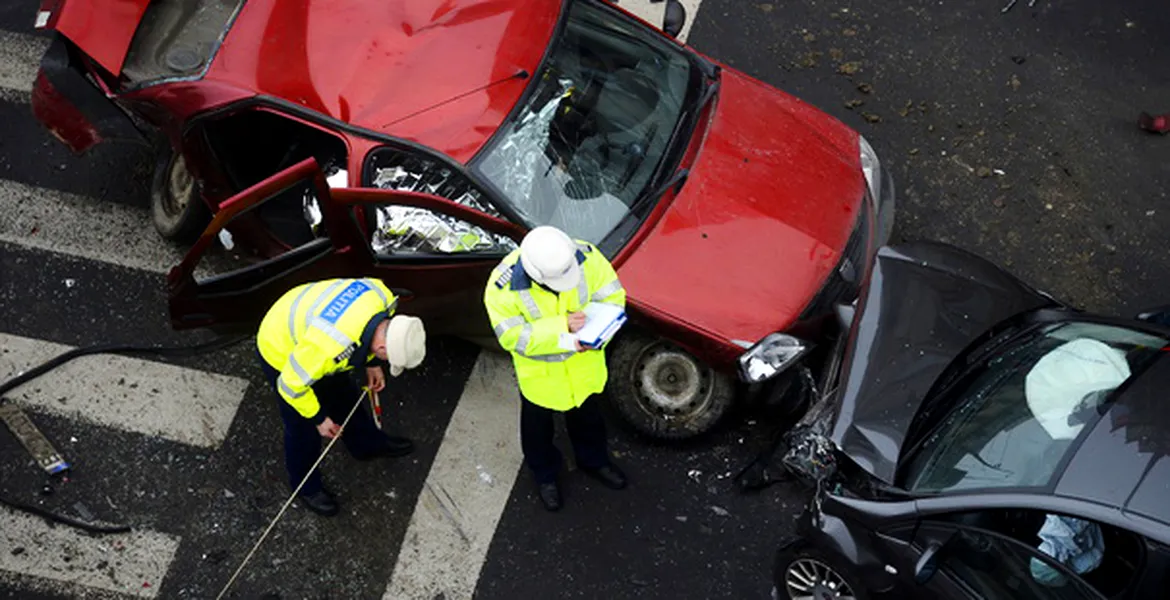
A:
[(178, 211), (810, 575), (663, 391)]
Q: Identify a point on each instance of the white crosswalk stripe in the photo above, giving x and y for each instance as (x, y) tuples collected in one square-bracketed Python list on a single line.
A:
[(82, 227), (20, 57), (466, 490), (152, 398), (133, 563)]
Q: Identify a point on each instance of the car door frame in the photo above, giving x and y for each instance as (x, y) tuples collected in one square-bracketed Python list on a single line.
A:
[(239, 297)]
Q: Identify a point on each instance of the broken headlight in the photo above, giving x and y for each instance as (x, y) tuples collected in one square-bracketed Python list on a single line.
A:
[(871, 166), (771, 356)]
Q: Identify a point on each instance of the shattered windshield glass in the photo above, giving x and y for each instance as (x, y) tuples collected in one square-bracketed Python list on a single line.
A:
[(590, 137)]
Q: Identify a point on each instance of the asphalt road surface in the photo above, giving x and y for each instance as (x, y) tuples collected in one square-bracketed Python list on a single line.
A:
[(1012, 135)]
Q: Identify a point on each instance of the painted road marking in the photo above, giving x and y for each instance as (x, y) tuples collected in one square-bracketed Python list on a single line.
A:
[(20, 58), (653, 13), (84, 227), (131, 563), (466, 490), (152, 398)]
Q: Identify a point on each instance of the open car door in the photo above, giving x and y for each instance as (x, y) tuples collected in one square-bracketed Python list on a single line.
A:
[(434, 253)]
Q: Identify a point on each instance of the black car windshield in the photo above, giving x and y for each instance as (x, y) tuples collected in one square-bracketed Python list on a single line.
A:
[(590, 136), (1017, 415)]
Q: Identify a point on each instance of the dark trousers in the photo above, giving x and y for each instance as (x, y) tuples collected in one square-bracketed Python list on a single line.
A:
[(302, 442), (586, 428)]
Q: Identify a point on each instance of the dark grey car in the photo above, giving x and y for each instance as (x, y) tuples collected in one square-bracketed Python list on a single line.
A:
[(975, 438)]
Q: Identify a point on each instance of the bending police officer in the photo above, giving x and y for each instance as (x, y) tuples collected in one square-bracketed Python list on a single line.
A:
[(310, 342)]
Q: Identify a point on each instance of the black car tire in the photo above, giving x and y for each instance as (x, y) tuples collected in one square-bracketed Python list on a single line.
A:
[(664, 392), (811, 556), (176, 206)]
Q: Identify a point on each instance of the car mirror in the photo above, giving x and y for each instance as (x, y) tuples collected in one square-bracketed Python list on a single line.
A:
[(1159, 315), (927, 563), (676, 17)]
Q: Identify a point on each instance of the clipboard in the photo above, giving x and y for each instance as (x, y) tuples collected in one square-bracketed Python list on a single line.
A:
[(602, 321)]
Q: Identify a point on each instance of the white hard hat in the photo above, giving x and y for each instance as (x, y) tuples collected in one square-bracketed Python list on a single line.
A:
[(406, 343), (549, 256)]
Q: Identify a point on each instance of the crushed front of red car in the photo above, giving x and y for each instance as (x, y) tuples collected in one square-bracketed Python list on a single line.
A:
[(778, 221)]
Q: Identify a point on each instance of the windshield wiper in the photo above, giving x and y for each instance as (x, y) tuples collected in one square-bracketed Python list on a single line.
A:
[(676, 179)]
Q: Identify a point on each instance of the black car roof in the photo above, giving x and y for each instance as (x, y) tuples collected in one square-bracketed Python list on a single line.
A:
[(1124, 461)]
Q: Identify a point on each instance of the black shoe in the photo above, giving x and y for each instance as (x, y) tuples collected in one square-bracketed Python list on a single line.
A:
[(321, 503), (609, 475), (550, 496), (392, 447)]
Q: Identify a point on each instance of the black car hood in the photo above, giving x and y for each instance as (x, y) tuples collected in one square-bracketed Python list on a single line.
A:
[(924, 304)]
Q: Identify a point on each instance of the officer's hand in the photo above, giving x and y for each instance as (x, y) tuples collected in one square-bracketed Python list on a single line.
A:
[(375, 379), (576, 321), (328, 429)]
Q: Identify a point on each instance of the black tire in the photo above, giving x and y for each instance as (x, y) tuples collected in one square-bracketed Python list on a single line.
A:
[(179, 213), (679, 398), (800, 561)]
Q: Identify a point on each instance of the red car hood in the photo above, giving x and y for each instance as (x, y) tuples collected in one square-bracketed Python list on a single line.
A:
[(762, 219)]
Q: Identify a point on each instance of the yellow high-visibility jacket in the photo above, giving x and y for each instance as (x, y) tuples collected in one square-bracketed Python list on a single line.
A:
[(318, 329), (529, 319)]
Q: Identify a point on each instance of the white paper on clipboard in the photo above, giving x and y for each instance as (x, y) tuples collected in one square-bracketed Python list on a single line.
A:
[(602, 321)]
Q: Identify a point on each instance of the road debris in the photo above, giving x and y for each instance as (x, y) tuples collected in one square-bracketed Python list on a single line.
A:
[(849, 68), (1014, 82), (871, 118), (1012, 3), (719, 510), (865, 88), (852, 104), (1019, 60), (484, 476), (694, 474), (70, 283)]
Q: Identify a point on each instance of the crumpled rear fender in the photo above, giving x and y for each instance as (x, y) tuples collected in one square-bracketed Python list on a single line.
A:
[(71, 107)]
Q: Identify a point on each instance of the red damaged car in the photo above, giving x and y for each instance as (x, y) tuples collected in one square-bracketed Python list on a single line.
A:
[(418, 140)]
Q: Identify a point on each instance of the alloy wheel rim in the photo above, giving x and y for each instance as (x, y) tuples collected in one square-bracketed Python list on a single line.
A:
[(811, 579)]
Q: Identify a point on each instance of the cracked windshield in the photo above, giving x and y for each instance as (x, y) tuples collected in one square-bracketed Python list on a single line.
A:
[(590, 137)]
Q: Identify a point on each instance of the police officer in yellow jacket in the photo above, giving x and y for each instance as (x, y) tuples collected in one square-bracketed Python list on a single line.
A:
[(534, 299), (310, 343)]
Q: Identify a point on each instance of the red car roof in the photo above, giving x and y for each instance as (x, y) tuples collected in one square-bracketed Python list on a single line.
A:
[(438, 72)]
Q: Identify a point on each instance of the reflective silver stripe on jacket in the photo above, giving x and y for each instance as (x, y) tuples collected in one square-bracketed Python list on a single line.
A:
[(321, 300), (525, 337), (530, 304), (607, 290), (300, 371), (288, 390), (292, 314), (503, 326), (377, 290), (334, 333), (582, 291), (562, 357)]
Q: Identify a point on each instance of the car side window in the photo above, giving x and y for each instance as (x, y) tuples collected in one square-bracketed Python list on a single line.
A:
[(397, 231), (994, 566), (1105, 557)]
